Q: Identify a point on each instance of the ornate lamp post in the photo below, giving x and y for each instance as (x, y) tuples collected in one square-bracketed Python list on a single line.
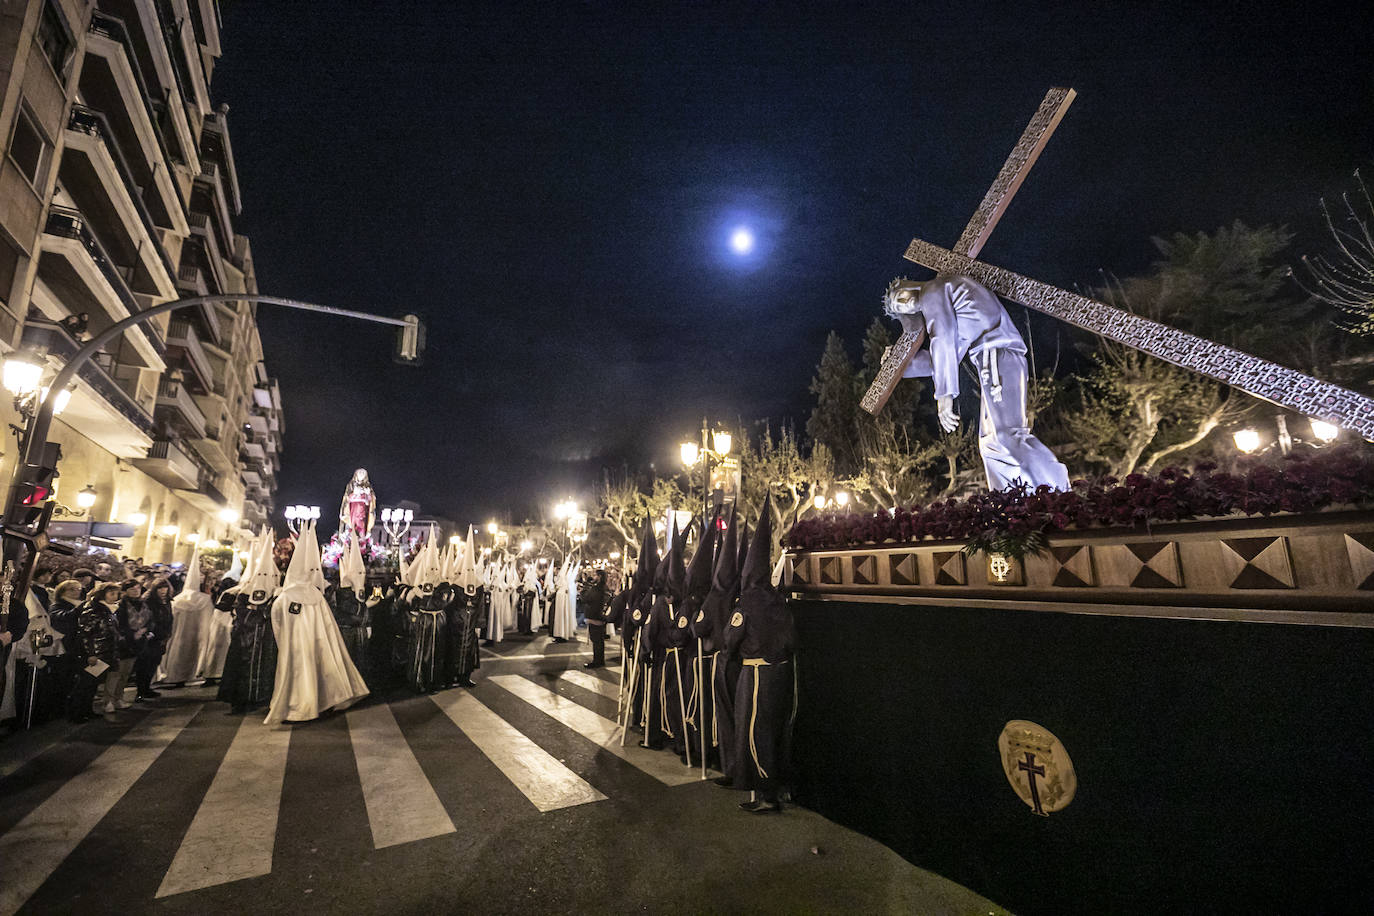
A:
[(714, 447), (396, 522), (296, 516)]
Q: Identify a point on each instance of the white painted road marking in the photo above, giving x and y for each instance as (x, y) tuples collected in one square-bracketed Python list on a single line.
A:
[(548, 784), (666, 768), (590, 682), (34, 847), (235, 827), (401, 804)]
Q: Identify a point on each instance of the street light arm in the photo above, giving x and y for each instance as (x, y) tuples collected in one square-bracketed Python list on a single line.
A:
[(42, 420)]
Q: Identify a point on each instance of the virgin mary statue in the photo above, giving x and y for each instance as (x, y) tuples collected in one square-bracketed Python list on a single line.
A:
[(358, 511)]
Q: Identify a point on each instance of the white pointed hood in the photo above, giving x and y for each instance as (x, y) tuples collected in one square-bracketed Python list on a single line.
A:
[(235, 569), (425, 571), (193, 578), (467, 570), (352, 570), (260, 583), (531, 577), (305, 573)]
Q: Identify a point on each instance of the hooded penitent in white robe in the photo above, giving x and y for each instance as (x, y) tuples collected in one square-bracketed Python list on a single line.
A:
[(564, 604), (511, 580), (550, 595), (496, 617), (314, 672), (193, 616)]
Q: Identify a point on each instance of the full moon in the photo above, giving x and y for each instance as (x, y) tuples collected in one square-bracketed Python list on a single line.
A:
[(742, 241)]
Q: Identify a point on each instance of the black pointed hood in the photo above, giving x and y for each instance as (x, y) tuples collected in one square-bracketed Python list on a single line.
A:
[(675, 581), (758, 566), (699, 570), (741, 552), (726, 578), (648, 563)]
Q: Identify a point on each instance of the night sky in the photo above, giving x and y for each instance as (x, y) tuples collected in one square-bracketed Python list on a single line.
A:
[(554, 188)]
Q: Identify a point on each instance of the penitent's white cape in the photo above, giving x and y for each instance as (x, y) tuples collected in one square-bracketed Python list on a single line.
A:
[(314, 672), (192, 620), (565, 603)]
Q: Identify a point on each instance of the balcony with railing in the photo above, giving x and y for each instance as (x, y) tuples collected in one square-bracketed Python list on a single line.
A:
[(71, 236), (89, 133), (178, 408), (183, 342), (52, 338), (112, 75), (171, 465)]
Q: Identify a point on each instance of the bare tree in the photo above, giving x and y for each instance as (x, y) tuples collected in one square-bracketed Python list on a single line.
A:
[(1345, 277)]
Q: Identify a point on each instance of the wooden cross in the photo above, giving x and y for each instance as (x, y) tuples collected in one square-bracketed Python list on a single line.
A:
[(1268, 381)]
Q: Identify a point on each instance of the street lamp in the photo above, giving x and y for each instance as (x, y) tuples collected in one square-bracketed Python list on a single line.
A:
[(86, 498), (138, 519), (714, 445), (228, 516), (1247, 440), (1326, 432), (842, 499)]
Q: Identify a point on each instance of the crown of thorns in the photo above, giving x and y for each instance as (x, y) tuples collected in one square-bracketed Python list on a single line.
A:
[(892, 287)]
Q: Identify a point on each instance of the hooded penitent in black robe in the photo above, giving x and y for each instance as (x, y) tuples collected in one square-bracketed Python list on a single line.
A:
[(353, 616), (250, 668), (695, 657), (426, 637), (638, 604), (464, 654), (760, 633), (710, 622), (663, 718)]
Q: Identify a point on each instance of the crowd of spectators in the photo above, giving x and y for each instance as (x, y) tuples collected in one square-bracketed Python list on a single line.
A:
[(91, 625)]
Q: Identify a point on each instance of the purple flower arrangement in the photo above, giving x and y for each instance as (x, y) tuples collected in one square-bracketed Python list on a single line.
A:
[(1017, 521)]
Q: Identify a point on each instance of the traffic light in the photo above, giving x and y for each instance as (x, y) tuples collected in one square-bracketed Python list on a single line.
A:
[(410, 341), (35, 488)]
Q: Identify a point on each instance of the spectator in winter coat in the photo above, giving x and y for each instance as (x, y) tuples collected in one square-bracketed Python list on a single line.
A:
[(97, 642)]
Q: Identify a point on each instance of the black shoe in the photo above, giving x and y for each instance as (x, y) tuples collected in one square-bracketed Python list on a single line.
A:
[(725, 782), (594, 665), (766, 808), (467, 683), (177, 686), (210, 682)]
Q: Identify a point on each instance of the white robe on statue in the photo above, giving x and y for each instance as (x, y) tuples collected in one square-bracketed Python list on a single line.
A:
[(314, 672), (193, 616), (565, 604)]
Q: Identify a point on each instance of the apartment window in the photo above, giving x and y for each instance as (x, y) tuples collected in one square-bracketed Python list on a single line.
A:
[(28, 148), (55, 39)]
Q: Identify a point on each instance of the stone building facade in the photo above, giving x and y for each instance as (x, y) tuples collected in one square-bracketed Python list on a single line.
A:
[(118, 191)]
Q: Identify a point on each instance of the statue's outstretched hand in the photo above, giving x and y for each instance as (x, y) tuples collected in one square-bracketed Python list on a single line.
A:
[(949, 417)]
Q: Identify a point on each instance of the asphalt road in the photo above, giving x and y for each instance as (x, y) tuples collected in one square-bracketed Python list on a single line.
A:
[(513, 797)]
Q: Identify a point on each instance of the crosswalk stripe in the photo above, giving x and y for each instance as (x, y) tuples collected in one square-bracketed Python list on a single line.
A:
[(35, 846), (235, 827), (548, 784), (401, 804), (589, 682), (602, 731)]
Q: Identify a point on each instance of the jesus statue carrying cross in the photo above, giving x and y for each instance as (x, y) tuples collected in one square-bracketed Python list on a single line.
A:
[(961, 317)]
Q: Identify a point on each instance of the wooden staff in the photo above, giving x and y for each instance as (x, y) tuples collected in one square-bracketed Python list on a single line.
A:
[(634, 679), (701, 707), (682, 706)]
